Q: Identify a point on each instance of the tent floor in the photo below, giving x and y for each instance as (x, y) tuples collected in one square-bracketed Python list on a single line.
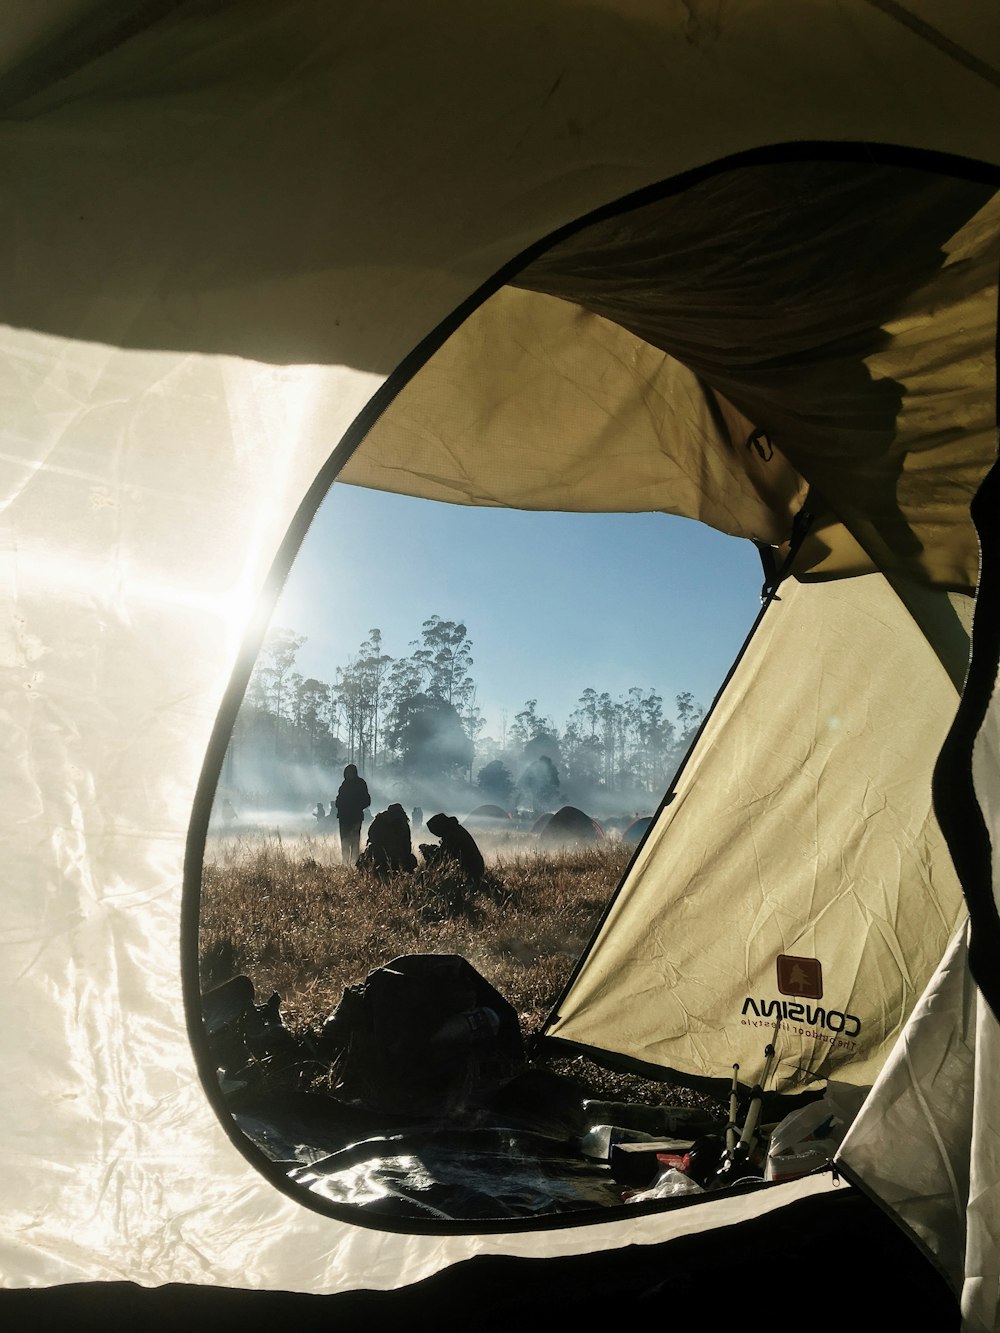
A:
[(821, 1264)]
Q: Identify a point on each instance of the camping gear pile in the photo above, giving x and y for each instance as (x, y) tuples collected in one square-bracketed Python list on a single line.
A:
[(416, 1098)]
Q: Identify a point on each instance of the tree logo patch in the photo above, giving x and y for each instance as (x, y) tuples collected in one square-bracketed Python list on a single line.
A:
[(801, 977)]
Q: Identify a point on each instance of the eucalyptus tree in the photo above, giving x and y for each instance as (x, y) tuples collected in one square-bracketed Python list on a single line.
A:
[(372, 668), (312, 712), (270, 683), (445, 655)]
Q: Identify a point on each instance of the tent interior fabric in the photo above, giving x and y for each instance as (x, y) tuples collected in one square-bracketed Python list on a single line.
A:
[(250, 248)]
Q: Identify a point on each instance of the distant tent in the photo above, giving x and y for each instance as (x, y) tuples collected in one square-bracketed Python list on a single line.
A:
[(570, 827), (635, 831), (486, 817), (436, 250), (541, 823)]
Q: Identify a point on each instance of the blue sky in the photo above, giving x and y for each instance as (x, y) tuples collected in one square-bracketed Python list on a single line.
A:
[(553, 602)]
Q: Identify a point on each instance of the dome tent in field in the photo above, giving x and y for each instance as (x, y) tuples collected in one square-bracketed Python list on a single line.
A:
[(569, 827), (751, 280), (487, 817), (635, 831)]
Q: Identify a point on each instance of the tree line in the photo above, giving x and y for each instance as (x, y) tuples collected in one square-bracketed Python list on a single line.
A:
[(416, 717)]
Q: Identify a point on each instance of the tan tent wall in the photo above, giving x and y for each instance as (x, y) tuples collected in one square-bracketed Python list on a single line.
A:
[(776, 299), (865, 371), (801, 828), (546, 406)]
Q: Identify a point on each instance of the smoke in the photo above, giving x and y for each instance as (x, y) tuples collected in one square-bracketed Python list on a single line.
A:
[(265, 793)]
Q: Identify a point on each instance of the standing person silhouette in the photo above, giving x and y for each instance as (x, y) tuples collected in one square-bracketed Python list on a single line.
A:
[(352, 801)]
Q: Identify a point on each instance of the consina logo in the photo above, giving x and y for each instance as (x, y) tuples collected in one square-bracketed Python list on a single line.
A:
[(802, 977), (835, 1020)]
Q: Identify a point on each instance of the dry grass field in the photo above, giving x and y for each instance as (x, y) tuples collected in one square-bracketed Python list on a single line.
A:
[(284, 912)]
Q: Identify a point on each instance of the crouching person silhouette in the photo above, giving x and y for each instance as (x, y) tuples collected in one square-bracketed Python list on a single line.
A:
[(389, 850), (456, 856)]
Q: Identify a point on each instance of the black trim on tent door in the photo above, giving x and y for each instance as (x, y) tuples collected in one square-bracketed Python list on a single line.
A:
[(945, 164), (955, 801)]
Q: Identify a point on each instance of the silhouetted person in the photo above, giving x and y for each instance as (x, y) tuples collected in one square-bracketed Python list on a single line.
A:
[(351, 802), (417, 817), (320, 811), (389, 849), (457, 845)]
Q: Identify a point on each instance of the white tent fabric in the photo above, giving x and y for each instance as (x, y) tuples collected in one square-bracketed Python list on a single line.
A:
[(226, 229), (937, 1084)]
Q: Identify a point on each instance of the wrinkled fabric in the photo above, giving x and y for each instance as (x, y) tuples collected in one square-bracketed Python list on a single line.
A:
[(797, 887)]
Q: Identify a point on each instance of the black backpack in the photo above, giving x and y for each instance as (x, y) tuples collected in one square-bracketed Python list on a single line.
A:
[(423, 1036)]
